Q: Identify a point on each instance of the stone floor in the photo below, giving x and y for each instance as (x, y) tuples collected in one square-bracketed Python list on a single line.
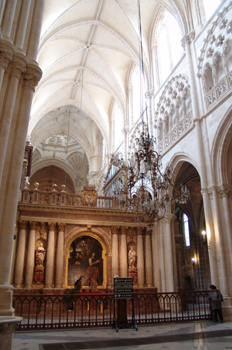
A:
[(204, 335)]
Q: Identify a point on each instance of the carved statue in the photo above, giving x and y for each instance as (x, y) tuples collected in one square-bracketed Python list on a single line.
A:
[(40, 255), (132, 258)]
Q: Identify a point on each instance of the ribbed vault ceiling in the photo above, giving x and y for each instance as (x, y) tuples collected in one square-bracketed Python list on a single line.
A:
[(91, 44)]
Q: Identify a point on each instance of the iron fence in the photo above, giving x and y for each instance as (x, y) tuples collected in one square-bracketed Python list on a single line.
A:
[(100, 309)]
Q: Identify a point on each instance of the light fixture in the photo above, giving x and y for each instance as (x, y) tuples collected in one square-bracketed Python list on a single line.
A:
[(194, 261), (143, 188), (204, 235)]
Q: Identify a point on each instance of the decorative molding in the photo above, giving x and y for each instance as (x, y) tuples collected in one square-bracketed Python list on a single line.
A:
[(219, 91), (216, 38), (32, 76)]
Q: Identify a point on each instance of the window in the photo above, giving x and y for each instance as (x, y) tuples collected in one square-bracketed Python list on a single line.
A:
[(169, 48), (186, 230), (210, 7)]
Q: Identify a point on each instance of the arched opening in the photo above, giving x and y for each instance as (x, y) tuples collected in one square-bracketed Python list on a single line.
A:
[(192, 258), (50, 175)]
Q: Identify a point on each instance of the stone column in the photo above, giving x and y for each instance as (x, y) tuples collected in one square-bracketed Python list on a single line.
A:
[(218, 234), (186, 42), (225, 192), (50, 255), (123, 253), (30, 263), (115, 231), (155, 256), (17, 67), (8, 18), (161, 241), (140, 257), (148, 259), (33, 44), (6, 55), (20, 255), (22, 24), (168, 255), (60, 256)]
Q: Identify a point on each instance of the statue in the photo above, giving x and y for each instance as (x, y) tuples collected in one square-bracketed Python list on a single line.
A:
[(132, 258), (40, 255)]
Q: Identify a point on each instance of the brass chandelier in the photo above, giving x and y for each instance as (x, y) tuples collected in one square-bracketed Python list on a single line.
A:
[(142, 187)]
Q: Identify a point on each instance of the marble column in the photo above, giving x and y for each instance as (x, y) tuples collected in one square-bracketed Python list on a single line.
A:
[(140, 257), (161, 242), (168, 255), (115, 232), (123, 253), (155, 256), (148, 259), (20, 255), (60, 256), (30, 263), (50, 255)]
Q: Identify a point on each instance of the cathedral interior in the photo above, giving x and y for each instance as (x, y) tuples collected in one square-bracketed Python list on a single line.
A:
[(116, 147)]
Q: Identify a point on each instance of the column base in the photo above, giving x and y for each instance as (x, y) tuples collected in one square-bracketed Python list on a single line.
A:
[(18, 286), (7, 327), (6, 298)]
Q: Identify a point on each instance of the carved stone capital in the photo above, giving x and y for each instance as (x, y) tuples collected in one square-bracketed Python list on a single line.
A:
[(188, 38), (22, 225), (32, 76), (6, 53), (8, 327), (52, 226), (115, 230), (17, 66), (61, 226), (139, 231), (33, 225), (124, 230)]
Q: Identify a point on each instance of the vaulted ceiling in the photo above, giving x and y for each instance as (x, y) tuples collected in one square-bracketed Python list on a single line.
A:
[(87, 50)]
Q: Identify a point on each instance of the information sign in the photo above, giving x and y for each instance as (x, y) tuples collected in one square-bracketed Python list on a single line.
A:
[(123, 288)]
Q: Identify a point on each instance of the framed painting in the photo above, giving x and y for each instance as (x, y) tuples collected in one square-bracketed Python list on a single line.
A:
[(85, 259)]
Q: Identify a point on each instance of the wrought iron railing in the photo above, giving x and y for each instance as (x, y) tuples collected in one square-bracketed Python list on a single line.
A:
[(98, 310)]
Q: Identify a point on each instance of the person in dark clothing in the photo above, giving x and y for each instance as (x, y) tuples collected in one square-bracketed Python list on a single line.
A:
[(78, 285), (216, 299)]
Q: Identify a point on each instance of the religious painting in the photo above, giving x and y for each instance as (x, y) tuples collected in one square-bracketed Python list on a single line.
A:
[(85, 259)]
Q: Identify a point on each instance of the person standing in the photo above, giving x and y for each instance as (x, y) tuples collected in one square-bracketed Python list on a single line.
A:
[(216, 299)]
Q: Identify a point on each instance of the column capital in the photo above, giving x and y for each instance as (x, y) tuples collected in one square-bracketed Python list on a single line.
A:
[(33, 225), (22, 224), (148, 231), (188, 38), (6, 53), (32, 76), (18, 65), (61, 226), (124, 230), (115, 229), (224, 190), (140, 230), (52, 226)]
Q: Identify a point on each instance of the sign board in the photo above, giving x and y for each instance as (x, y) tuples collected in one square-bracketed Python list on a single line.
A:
[(123, 288)]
